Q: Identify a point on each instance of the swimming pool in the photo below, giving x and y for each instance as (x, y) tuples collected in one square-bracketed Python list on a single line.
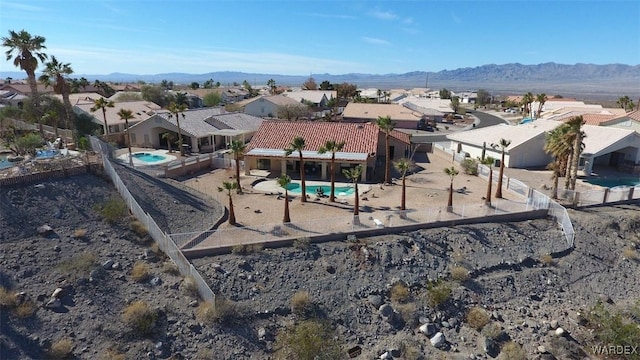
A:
[(148, 157), (46, 154), (4, 163), (613, 182), (312, 189)]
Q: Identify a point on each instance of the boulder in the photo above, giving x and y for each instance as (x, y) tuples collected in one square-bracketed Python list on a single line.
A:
[(53, 303), (375, 300), (57, 293), (44, 229), (438, 340), (428, 329)]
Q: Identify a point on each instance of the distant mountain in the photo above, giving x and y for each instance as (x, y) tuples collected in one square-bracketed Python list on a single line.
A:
[(582, 80)]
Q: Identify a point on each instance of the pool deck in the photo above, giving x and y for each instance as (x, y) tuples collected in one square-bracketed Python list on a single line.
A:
[(137, 162), (272, 187)]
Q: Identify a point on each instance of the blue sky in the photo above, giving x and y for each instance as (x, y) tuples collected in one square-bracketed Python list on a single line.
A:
[(331, 36)]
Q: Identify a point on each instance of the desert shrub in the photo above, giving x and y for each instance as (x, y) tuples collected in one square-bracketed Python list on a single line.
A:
[(512, 351), (205, 354), (138, 228), (399, 293), (630, 254), (469, 166), (140, 317), (492, 331), (79, 233), (477, 318), (459, 273), (8, 298), (190, 287), (438, 293), (155, 248), (61, 349), (301, 303), (247, 249), (222, 311), (113, 354), (614, 327), (408, 312), (113, 210), (140, 272), (80, 264), (302, 243), (308, 340), (24, 309), (169, 267), (546, 259)]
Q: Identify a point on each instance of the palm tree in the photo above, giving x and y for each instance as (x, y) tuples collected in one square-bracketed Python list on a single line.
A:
[(489, 162), (51, 118), (625, 102), (272, 86), (284, 180), (175, 110), (403, 166), (333, 147), (181, 98), (385, 124), (452, 172), (559, 145), (126, 115), (229, 187), (541, 99), (354, 174), (170, 138), (503, 145), (575, 124), (527, 99), (55, 73), (298, 145), (237, 149), (103, 104), (27, 52)]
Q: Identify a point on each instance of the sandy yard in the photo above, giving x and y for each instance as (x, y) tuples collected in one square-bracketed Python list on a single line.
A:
[(426, 188)]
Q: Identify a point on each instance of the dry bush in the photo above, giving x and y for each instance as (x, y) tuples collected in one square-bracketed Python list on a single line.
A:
[(8, 298), (140, 272), (25, 309), (138, 228), (155, 248), (459, 273), (169, 267), (247, 249), (79, 233), (630, 254), (400, 293), (512, 351), (61, 349), (308, 340), (113, 210), (302, 243), (477, 318), (205, 354), (223, 311), (140, 317), (301, 303), (438, 293), (113, 354), (80, 264), (408, 312), (492, 331), (190, 287), (546, 259)]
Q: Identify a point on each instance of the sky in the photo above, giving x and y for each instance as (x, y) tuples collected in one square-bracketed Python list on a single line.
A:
[(148, 37)]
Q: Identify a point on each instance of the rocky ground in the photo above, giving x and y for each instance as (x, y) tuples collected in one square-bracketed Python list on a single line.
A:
[(407, 296)]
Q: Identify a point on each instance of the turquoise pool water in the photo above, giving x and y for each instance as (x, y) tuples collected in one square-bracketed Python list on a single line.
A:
[(149, 158), (45, 154), (4, 163), (613, 182), (311, 189)]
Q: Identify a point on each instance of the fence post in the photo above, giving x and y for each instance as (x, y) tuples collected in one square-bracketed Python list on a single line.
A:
[(631, 190), (606, 193)]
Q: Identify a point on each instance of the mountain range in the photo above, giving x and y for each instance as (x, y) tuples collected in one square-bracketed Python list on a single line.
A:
[(581, 80)]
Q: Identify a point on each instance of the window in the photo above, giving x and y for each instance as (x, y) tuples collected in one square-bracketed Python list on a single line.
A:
[(204, 141), (264, 164), (133, 138)]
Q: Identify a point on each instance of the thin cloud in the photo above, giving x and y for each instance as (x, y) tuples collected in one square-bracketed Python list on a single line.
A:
[(383, 15), (375, 41)]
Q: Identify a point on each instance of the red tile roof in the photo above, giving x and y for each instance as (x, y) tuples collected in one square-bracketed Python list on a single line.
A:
[(277, 134), (596, 119)]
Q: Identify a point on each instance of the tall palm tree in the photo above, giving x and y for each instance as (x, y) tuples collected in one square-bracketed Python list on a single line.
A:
[(26, 52), (56, 73), (575, 124), (284, 180), (488, 160), (541, 99), (559, 145), (181, 98), (126, 115), (403, 166), (177, 110), (354, 174), (625, 103), (452, 172), (237, 149), (386, 125), (333, 147), (51, 118), (229, 187), (103, 104), (504, 143), (298, 145), (527, 99)]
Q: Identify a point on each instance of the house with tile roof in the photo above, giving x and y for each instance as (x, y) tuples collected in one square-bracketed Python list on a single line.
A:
[(318, 98), (403, 117), (629, 121), (268, 106), (203, 130), (25, 89), (141, 110), (364, 145)]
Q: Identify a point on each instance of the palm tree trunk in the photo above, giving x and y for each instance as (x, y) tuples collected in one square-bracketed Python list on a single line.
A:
[(106, 126), (287, 218), (33, 84), (68, 109), (302, 180), (232, 215), (450, 200), (567, 173), (576, 159), (487, 199), (179, 136), (403, 201), (387, 160), (332, 197), (238, 174), (554, 189), (126, 122), (499, 188), (356, 207)]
